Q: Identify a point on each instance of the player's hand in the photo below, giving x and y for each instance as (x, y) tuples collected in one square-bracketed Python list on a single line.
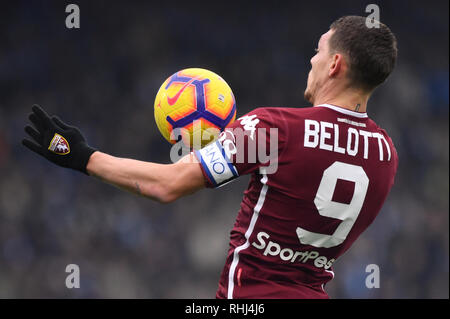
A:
[(58, 142)]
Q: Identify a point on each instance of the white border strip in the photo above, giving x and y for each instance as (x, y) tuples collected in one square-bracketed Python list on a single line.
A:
[(256, 209), (344, 111)]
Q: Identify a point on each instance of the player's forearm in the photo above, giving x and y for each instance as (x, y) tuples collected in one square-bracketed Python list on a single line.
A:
[(142, 178)]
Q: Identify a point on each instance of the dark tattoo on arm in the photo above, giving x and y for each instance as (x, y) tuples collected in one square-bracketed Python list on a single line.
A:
[(357, 107), (138, 188)]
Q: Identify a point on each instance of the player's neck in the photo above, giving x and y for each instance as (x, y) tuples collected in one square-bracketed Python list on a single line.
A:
[(349, 99)]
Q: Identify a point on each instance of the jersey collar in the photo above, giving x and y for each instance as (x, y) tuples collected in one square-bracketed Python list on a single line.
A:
[(344, 111)]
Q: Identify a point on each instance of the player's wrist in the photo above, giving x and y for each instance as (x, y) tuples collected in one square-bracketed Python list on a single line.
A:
[(92, 161), (85, 153)]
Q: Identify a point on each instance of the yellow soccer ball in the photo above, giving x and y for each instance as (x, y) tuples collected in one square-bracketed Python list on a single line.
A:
[(194, 105)]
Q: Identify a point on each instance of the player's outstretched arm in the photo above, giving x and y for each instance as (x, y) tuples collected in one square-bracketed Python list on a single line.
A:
[(161, 182), (65, 146)]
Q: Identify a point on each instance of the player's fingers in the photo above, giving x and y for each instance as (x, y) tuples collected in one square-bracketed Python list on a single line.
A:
[(33, 146), (34, 134), (41, 114), (37, 122), (34, 119), (60, 123)]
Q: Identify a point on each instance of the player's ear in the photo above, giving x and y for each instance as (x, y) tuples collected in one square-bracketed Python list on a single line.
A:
[(336, 65)]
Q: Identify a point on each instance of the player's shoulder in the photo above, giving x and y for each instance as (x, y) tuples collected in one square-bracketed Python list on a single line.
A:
[(386, 136), (276, 115), (280, 110), (374, 128)]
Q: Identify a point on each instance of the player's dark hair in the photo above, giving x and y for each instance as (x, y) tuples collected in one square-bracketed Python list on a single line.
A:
[(371, 52)]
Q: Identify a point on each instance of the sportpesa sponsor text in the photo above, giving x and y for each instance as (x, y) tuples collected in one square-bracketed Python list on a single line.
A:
[(272, 248)]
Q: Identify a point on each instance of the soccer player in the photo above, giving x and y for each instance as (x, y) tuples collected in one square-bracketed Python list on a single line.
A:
[(334, 169)]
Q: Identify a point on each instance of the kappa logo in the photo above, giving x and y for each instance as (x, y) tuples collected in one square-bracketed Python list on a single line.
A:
[(249, 123), (59, 145)]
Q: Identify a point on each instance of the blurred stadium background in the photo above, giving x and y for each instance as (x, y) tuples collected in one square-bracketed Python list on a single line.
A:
[(103, 78)]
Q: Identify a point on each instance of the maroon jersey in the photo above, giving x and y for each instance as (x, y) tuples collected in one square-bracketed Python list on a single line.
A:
[(319, 177)]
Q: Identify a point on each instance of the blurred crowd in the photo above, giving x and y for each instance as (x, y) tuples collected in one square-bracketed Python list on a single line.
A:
[(103, 78)]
